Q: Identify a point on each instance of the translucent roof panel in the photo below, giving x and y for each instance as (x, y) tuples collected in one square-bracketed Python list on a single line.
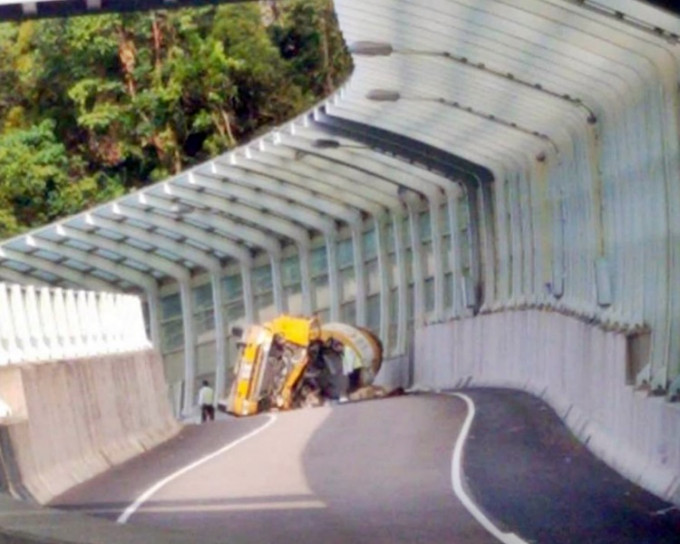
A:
[(77, 265), (77, 244), (14, 265), (135, 223), (104, 275), (49, 255), (198, 244), (167, 255), (136, 265), (108, 254), (139, 244), (169, 234), (445, 94), (45, 276), (117, 236)]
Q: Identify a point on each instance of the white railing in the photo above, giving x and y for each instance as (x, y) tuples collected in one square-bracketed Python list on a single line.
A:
[(44, 324)]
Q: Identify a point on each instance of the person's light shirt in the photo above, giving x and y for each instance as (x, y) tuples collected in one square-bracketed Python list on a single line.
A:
[(350, 360), (205, 395)]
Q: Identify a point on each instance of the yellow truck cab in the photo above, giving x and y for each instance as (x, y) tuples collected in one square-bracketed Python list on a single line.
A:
[(290, 361), (271, 360)]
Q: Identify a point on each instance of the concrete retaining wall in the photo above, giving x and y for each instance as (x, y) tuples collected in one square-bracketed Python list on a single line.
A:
[(394, 372), (75, 419), (578, 368)]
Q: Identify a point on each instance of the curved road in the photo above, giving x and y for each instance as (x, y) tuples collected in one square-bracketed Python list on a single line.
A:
[(380, 472)]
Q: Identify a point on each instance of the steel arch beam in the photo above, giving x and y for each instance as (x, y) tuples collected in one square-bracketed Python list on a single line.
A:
[(268, 163), (283, 190)]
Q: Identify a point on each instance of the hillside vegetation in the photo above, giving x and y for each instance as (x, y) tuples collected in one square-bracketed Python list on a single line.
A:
[(93, 107)]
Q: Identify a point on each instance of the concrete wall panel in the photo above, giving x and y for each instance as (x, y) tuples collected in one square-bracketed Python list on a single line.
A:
[(579, 368), (82, 416), (394, 372)]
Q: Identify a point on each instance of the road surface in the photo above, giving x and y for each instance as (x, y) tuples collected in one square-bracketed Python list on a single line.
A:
[(383, 472)]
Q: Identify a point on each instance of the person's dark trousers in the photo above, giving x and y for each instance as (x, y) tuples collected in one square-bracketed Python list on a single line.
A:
[(207, 412)]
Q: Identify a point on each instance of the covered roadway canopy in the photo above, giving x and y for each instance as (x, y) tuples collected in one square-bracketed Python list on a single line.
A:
[(484, 155)]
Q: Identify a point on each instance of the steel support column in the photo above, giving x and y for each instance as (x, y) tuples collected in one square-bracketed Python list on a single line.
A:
[(360, 274), (333, 279), (402, 281), (384, 274)]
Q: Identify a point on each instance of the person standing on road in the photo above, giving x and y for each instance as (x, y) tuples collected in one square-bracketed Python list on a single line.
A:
[(206, 398)]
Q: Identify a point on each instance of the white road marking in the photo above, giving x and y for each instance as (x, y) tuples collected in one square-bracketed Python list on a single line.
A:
[(457, 479), (311, 504), (125, 516), (665, 511)]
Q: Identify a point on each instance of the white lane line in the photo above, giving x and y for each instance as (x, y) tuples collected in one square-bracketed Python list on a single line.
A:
[(457, 479), (260, 507), (125, 516)]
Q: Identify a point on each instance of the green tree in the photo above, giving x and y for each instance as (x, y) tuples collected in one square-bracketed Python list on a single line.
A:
[(308, 36), (36, 179), (91, 107)]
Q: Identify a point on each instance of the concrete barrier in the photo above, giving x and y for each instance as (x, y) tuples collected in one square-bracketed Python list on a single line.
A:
[(579, 368), (394, 372), (74, 419)]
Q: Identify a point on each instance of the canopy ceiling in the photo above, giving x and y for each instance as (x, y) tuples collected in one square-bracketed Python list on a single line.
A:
[(445, 94)]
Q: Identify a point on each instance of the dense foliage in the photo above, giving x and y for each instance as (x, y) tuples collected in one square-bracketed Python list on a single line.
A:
[(93, 107)]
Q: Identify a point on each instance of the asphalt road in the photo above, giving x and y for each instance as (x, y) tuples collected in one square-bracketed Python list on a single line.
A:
[(528, 472), (381, 472)]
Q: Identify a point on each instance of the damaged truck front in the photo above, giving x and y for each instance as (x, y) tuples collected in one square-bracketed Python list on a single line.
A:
[(291, 362)]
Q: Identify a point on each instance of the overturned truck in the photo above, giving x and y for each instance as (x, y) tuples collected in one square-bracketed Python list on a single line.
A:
[(291, 362)]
